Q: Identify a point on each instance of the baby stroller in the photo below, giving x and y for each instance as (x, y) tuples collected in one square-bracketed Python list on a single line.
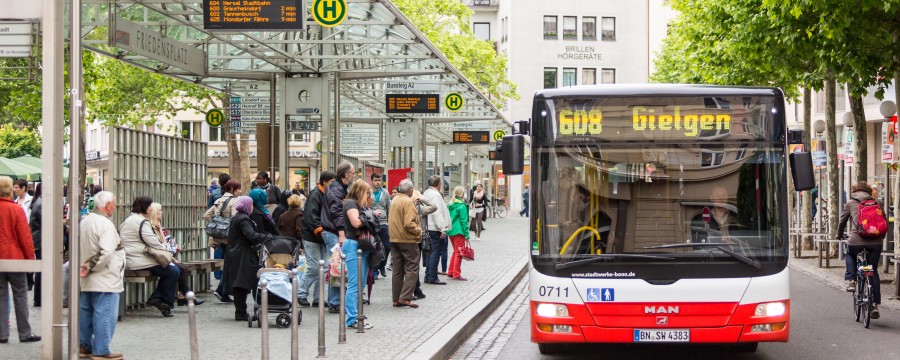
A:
[(277, 256)]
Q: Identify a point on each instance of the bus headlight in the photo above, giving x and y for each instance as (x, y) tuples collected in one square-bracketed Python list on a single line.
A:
[(770, 309), (552, 310)]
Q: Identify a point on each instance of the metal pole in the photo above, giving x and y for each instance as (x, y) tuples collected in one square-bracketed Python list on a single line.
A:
[(323, 295), (53, 125), (264, 318), (337, 120), (342, 317), (360, 324), (421, 155), (295, 315), (272, 133), (192, 325)]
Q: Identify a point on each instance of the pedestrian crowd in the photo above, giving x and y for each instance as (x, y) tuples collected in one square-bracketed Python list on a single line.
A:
[(399, 231)]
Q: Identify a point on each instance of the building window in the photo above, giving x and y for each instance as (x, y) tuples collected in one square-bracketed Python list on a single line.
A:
[(709, 158), (609, 29), (569, 77), (504, 28), (570, 30), (551, 28), (588, 76), (216, 133), (190, 130), (92, 140), (549, 78), (482, 30), (608, 76), (589, 28)]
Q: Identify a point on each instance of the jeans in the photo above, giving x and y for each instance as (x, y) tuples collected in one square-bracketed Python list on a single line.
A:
[(184, 279), (334, 293), (97, 320), (219, 253), (385, 236), (167, 285), (524, 210), (872, 257), (456, 260), (354, 282), (19, 285), (65, 281), (313, 252), (438, 249)]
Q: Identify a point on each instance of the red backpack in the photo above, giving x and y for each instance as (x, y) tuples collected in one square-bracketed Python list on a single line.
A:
[(870, 221)]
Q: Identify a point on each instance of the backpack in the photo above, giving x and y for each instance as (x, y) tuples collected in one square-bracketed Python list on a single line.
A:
[(217, 227), (870, 221)]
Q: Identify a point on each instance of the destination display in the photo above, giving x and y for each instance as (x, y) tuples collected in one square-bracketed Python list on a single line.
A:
[(471, 137), (412, 103), (252, 15)]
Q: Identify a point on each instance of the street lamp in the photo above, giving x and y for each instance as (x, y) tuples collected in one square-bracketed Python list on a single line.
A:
[(847, 119), (888, 109), (819, 128)]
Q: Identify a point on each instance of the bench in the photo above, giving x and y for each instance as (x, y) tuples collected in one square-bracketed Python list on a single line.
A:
[(824, 244), (144, 276)]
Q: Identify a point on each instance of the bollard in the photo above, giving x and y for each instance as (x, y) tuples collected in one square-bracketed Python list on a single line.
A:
[(264, 318), (342, 328), (192, 325), (360, 323), (322, 296), (295, 316)]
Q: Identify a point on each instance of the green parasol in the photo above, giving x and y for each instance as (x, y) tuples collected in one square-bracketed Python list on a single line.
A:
[(36, 162), (18, 170)]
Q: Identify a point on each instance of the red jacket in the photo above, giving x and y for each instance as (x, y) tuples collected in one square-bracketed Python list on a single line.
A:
[(15, 236)]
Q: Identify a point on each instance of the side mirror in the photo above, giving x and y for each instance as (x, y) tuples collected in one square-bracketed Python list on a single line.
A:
[(802, 171), (512, 154)]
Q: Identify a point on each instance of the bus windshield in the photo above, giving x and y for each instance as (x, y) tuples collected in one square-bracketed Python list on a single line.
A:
[(630, 176)]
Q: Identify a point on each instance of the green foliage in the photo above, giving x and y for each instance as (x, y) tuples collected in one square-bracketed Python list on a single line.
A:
[(446, 24), (16, 141)]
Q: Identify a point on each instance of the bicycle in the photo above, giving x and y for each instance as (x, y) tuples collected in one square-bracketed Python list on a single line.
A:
[(499, 209), (863, 299)]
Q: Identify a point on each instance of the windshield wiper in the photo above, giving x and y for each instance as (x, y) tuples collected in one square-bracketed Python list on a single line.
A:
[(720, 246), (594, 258)]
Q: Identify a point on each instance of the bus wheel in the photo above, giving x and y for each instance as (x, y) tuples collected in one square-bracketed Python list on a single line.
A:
[(746, 347), (551, 348)]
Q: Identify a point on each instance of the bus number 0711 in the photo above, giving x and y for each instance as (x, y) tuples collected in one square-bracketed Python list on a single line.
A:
[(549, 290)]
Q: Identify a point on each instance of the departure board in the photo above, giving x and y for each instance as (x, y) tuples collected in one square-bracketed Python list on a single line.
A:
[(253, 14), (471, 137), (412, 103)]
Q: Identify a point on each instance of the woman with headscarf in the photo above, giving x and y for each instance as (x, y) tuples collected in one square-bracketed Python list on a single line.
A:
[(282, 206), (260, 215), (242, 259)]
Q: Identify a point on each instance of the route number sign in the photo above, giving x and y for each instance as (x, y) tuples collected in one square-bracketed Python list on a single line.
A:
[(411, 104), (253, 15), (471, 137)]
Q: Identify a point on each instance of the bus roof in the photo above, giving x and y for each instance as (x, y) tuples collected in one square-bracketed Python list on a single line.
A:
[(626, 90)]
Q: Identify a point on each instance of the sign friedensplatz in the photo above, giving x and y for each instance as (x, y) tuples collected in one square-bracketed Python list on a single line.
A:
[(140, 40)]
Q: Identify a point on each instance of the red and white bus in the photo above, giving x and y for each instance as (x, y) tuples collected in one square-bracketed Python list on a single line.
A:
[(658, 215)]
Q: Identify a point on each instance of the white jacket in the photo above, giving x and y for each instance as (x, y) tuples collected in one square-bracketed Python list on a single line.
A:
[(102, 250), (137, 259), (440, 219)]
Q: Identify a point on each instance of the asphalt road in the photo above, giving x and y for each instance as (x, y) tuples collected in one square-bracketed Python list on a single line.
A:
[(823, 327)]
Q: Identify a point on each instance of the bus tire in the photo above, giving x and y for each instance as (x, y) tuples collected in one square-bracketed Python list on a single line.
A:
[(551, 348), (746, 347)]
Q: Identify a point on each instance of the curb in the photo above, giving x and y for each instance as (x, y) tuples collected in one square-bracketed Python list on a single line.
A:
[(836, 281), (444, 343)]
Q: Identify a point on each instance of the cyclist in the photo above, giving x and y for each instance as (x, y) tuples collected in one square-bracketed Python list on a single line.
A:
[(860, 192)]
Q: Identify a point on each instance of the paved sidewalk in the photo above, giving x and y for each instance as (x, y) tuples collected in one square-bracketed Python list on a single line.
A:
[(442, 322), (834, 276)]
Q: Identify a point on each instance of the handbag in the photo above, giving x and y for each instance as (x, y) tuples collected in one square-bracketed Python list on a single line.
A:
[(467, 252), (335, 265), (377, 256), (162, 257), (217, 227), (367, 240)]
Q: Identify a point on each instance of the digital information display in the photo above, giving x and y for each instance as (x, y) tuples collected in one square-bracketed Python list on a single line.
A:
[(471, 137), (253, 15), (412, 103)]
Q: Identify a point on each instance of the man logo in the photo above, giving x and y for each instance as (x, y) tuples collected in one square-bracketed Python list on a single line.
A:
[(454, 102), (661, 309), (329, 13)]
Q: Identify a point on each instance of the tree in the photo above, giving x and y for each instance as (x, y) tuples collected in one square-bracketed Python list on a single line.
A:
[(15, 142), (446, 24)]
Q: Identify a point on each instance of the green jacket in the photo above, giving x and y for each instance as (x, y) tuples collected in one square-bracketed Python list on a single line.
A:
[(459, 218)]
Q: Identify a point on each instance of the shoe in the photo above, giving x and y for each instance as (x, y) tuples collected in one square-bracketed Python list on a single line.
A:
[(875, 313), (108, 356), (382, 273), (157, 303), (409, 303), (436, 282), (304, 303), (334, 309), (315, 303), (241, 316), (83, 352), (65, 306), (442, 273), (419, 295), (166, 313), (4, 341), (477, 238), (390, 268), (851, 285), (30, 338), (36, 305), (366, 326), (184, 302), (218, 296), (459, 278)]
